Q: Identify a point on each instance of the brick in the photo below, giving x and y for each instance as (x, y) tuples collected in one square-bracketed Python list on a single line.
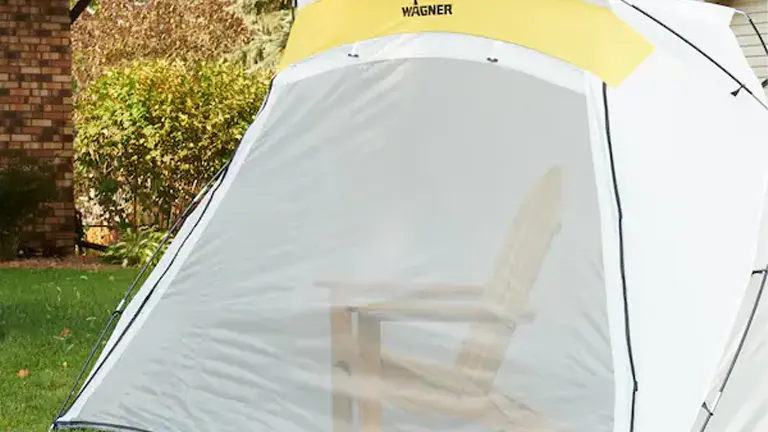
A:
[(68, 243), (64, 212), (11, 100), (59, 19), (56, 115), (21, 137), (18, 92), (65, 64), (64, 234), (41, 122), (29, 57), (52, 145), (32, 130)]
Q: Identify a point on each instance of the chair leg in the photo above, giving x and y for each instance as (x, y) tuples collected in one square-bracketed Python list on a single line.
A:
[(341, 367), (369, 342)]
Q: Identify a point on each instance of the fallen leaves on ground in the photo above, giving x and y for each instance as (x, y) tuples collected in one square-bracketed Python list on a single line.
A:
[(22, 373)]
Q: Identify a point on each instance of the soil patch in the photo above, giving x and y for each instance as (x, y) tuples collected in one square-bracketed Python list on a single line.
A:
[(70, 262)]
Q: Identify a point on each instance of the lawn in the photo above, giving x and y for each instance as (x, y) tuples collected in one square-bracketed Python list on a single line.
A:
[(49, 320)]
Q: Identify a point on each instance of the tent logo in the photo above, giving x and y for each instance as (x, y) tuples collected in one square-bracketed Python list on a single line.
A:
[(417, 10)]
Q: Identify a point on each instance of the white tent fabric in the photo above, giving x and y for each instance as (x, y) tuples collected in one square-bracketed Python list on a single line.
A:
[(602, 236)]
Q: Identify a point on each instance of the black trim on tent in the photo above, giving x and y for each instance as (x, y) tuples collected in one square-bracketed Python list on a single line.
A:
[(700, 51), (101, 426), (220, 175), (620, 214), (77, 10), (740, 347)]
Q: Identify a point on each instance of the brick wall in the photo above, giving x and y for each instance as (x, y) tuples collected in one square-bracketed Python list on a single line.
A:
[(36, 104)]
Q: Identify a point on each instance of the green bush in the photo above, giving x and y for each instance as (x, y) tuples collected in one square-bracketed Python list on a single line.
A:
[(152, 133), (136, 247), (25, 184)]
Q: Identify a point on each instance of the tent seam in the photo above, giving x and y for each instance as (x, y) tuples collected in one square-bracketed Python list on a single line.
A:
[(622, 261)]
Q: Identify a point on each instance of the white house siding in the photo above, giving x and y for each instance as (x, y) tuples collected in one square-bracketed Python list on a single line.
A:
[(754, 51)]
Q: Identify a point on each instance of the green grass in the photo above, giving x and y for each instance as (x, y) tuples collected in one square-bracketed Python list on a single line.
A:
[(36, 305)]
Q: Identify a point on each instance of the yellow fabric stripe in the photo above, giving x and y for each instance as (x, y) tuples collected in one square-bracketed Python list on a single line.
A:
[(579, 33)]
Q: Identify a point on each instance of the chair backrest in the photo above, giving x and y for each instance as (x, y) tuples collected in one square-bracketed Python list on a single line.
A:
[(537, 222)]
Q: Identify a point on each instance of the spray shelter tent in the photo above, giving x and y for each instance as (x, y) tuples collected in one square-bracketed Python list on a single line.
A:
[(479, 215)]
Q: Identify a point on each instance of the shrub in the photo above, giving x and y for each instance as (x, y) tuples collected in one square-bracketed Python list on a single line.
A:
[(152, 133), (25, 184), (136, 247), (122, 31)]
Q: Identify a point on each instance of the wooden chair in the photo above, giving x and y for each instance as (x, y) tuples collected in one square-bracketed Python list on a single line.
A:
[(364, 373)]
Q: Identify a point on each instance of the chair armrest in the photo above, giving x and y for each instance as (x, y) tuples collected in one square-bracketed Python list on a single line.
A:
[(440, 312), (446, 291)]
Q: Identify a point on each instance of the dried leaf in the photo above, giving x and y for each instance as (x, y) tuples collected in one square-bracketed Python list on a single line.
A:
[(66, 332), (22, 373)]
